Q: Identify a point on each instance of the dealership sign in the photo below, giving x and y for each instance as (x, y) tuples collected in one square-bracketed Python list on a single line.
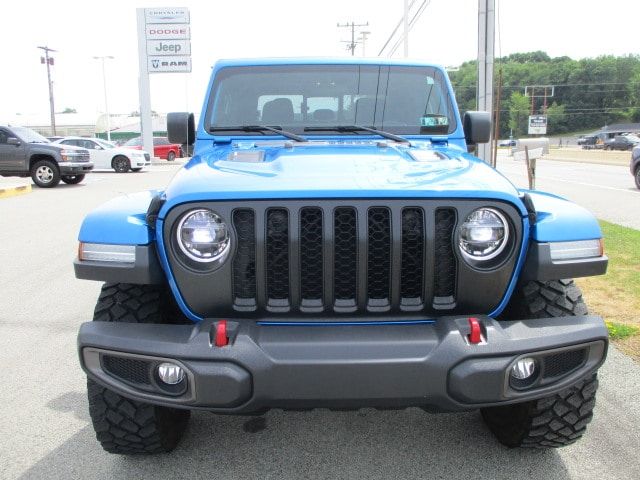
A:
[(168, 64), (166, 15), (168, 40)]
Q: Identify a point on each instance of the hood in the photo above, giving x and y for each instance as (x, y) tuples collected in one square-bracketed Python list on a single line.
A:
[(359, 169)]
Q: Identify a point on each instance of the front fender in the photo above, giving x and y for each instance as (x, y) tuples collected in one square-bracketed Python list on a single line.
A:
[(559, 220), (121, 221)]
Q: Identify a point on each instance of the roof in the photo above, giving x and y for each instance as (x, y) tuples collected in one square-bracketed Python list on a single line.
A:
[(241, 62), (621, 127)]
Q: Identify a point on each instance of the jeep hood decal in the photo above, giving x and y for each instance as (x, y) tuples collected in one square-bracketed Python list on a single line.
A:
[(326, 171)]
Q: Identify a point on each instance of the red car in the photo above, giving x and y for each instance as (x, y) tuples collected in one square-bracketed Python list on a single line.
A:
[(162, 148)]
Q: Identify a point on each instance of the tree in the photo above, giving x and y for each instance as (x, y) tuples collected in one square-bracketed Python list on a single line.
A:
[(518, 113)]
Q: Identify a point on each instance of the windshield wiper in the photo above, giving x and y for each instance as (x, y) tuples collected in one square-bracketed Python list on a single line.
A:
[(358, 128), (260, 128)]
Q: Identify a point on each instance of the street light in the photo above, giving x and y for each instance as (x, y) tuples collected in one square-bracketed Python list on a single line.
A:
[(104, 84)]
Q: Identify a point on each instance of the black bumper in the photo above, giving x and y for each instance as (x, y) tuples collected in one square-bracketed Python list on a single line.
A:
[(427, 365), (75, 168)]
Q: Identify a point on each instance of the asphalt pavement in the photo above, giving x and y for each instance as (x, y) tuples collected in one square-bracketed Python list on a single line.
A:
[(45, 431)]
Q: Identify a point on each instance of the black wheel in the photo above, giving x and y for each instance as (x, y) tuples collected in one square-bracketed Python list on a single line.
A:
[(122, 425), (171, 156), (560, 419), (136, 169), (121, 164), (45, 173), (72, 179), (637, 177)]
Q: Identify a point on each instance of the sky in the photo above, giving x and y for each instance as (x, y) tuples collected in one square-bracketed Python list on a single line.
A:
[(445, 34)]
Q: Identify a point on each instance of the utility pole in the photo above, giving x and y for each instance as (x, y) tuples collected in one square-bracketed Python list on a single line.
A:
[(104, 86), (486, 42), (363, 39), (352, 45), (48, 61)]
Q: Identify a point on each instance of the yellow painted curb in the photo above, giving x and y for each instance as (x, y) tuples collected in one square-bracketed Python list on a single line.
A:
[(13, 191)]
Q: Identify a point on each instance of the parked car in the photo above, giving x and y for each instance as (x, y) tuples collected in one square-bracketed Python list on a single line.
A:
[(106, 155), (368, 262), (622, 142), (588, 142), (24, 152), (162, 148), (635, 164), (507, 143)]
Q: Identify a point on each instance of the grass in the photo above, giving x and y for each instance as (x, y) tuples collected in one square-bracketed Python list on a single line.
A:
[(616, 295)]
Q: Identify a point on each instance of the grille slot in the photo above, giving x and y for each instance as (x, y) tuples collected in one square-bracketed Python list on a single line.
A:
[(379, 259), (311, 258), (277, 259), (244, 262), (127, 369), (412, 266), (345, 259), (562, 363), (444, 279)]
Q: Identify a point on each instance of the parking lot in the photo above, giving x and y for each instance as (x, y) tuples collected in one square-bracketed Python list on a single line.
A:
[(46, 427)]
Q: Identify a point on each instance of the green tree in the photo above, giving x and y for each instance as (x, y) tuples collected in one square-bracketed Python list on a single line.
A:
[(518, 114)]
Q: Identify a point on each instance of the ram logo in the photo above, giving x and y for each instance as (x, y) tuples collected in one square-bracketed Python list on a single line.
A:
[(155, 63)]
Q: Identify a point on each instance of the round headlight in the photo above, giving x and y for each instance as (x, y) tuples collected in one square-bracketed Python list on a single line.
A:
[(203, 236), (484, 234)]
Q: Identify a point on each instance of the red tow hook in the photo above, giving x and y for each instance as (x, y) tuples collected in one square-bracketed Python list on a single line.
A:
[(220, 338), (476, 332)]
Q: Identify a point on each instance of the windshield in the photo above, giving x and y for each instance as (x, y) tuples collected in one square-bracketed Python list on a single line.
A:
[(134, 142), (28, 135), (104, 144), (397, 99)]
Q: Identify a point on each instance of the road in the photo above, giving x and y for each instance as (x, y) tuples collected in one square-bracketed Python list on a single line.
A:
[(609, 191), (46, 432)]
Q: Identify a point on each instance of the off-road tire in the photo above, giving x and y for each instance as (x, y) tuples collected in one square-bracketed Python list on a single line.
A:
[(171, 156), (45, 173), (121, 164), (122, 425), (556, 298), (550, 422), (72, 179), (560, 419)]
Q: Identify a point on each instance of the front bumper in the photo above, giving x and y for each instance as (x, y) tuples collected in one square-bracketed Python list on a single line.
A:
[(75, 168), (433, 366)]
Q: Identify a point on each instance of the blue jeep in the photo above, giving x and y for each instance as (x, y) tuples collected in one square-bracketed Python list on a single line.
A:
[(332, 244)]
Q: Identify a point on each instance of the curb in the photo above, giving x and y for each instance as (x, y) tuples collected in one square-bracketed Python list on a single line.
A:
[(6, 192)]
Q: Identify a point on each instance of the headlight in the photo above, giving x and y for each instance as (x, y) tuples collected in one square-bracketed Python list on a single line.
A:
[(203, 236), (484, 234)]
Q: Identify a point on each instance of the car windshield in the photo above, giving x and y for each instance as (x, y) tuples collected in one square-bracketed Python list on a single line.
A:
[(28, 135), (134, 142), (402, 100), (104, 144)]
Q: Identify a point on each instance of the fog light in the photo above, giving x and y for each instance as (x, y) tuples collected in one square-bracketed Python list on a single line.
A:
[(170, 373), (523, 369)]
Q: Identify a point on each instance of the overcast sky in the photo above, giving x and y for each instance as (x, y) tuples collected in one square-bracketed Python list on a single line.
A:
[(445, 34)]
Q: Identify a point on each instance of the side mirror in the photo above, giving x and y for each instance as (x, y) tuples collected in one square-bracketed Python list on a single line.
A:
[(181, 128), (13, 141), (477, 127)]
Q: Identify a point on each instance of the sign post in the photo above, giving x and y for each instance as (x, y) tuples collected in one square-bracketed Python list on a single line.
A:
[(164, 46)]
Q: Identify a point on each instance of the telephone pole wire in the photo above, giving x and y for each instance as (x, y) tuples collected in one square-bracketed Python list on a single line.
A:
[(352, 45), (48, 61)]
